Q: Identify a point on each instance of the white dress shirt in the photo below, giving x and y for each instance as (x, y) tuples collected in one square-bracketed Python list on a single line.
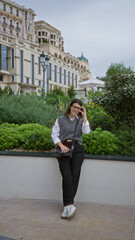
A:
[(56, 130)]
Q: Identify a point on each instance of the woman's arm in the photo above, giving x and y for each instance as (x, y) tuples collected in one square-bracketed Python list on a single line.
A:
[(85, 126), (55, 136)]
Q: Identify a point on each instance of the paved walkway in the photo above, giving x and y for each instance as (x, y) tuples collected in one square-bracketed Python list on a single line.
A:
[(40, 220)]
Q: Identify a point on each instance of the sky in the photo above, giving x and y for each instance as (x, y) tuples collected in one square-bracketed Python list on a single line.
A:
[(104, 30)]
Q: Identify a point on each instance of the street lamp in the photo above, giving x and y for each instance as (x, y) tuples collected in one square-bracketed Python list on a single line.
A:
[(44, 61)]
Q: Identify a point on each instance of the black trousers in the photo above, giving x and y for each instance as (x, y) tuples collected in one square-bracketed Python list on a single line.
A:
[(70, 170)]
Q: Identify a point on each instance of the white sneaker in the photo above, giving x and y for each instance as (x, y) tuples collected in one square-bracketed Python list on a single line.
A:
[(71, 211), (64, 213)]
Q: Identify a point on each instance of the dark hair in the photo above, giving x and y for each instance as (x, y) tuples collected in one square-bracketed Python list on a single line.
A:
[(76, 100)]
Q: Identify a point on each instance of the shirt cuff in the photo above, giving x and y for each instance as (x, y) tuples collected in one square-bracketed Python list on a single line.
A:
[(86, 124), (56, 140)]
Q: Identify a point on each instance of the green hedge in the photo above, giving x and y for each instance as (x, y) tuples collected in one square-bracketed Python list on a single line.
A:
[(38, 137), (26, 136), (100, 142)]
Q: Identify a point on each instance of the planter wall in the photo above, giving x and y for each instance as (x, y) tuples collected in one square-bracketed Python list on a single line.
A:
[(102, 181)]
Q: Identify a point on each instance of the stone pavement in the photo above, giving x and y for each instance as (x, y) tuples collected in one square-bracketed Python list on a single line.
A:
[(23, 219)]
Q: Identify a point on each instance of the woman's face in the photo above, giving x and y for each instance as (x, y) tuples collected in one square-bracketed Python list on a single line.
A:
[(74, 110)]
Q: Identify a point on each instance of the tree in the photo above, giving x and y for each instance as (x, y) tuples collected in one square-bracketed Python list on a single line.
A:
[(71, 92), (118, 68), (119, 98)]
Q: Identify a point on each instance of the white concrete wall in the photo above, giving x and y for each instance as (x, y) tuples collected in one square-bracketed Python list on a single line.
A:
[(39, 178)]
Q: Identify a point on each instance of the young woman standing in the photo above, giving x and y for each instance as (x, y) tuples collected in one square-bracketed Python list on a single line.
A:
[(70, 169)]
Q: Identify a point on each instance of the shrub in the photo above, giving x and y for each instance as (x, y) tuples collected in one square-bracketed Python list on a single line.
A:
[(22, 108), (71, 92), (126, 140), (26, 136), (98, 117), (36, 137), (9, 136), (100, 142)]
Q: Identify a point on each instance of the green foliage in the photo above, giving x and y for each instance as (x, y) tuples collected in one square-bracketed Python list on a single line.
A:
[(22, 108), (26, 136), (9, 136), (98, 117), (94, 96), (119, 98), (100, 142), (6, 91), (57, 97), (118, 68), (71, 92), (126, 140)]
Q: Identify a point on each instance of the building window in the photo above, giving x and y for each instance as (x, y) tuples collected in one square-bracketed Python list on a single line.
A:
[(4, 7), (39, 40), (3, 57), (49, 70), (11, 10), (4, 20), (21, 66), (73, 79), (64, 77), (39, 66), (39, 83), (68, 78), (4, 30), (12, 78), (27, 80), (11, 32), (17, 34), (60, 75), (55, 73), (12, 58), (43, 33), (39, 33), (1, 78), (76, 80), (29, 16), (17, 25), (17, 12), (32, 69)]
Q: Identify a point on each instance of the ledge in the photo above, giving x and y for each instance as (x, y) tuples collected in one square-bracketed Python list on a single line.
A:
[(52, 154)]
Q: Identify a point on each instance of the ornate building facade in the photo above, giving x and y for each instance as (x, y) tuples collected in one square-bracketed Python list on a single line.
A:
[(21, 43)]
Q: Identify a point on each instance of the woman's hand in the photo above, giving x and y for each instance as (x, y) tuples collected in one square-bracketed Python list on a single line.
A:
[(83, 112), (63, 148)]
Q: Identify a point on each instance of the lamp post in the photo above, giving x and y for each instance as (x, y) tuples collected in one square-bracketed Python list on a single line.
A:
[(44, 61)]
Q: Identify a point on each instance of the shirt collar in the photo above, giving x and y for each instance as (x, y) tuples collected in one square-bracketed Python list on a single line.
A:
[(72, 119)]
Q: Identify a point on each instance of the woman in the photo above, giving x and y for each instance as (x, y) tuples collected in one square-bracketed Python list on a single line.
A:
[(63, 129)]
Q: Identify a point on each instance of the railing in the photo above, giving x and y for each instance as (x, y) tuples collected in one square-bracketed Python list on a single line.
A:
[(11, 26), (18, 29), (4, 24)]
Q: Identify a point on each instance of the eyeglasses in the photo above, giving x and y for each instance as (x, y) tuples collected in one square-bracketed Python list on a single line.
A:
[(76, 108)]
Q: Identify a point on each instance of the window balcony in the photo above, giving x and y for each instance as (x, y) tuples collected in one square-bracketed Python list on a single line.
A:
[(11, 27), (18, 29), (4, 24)]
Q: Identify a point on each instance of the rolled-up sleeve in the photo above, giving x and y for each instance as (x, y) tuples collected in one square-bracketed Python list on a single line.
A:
[(56, 132), (86, 128)]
